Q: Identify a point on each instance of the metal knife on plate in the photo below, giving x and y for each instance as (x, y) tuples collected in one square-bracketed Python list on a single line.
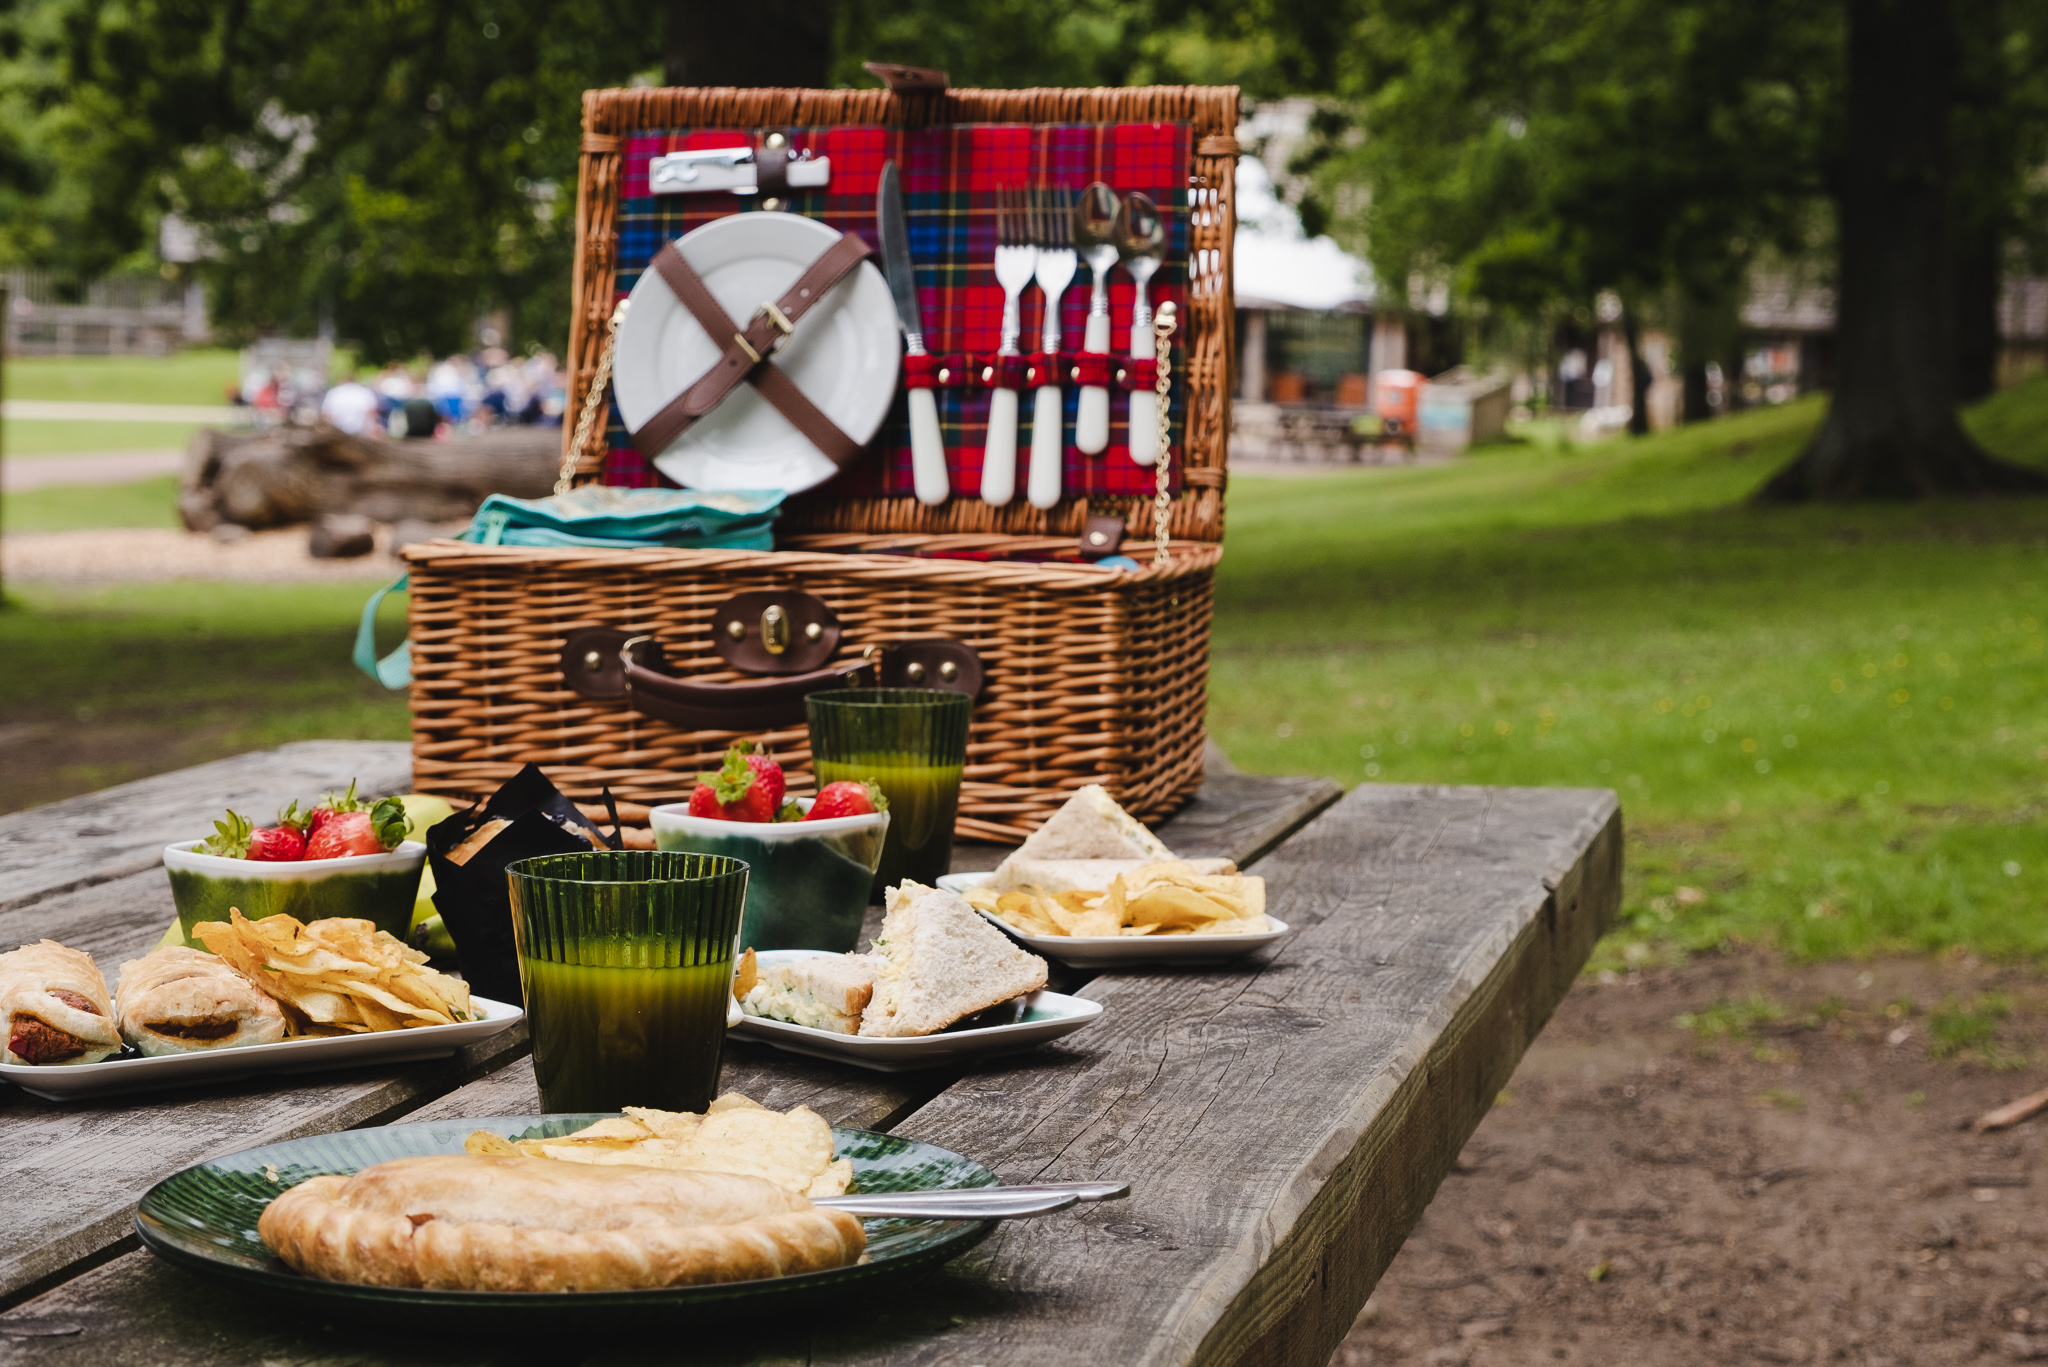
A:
[(927, 447)]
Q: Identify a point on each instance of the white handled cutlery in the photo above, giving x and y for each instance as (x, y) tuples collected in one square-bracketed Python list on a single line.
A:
[(1095, 219), (1016, 259), (1141, 241), (1052, 221), (927, 445)]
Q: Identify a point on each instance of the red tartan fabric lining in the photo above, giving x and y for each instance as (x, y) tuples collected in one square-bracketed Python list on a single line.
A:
[(950, 175)]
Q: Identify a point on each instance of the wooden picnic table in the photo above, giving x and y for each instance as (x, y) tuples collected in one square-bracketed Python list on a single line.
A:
[(1283, 1121)]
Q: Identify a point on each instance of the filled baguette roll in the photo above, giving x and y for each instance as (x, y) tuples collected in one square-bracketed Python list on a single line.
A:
[(54, 1007), (175, 1000)]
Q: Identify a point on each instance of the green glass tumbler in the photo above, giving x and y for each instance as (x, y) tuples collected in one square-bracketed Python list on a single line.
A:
[(626, 959), (913, 743)]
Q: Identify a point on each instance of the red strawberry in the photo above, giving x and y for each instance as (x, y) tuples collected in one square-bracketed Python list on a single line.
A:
[(329, 807), (848, 799), (768, 773), (737, 792), (373, 832), (277, 845)]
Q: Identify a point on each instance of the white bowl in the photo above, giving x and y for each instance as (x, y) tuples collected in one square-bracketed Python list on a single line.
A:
[(373, 887)]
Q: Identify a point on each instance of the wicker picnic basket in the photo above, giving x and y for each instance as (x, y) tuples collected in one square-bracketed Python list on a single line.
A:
[(1088, 674)]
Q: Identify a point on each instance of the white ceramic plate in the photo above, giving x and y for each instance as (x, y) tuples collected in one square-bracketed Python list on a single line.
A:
[(844, 355), (1121, 951), (71, 1082), (1049, 1016)]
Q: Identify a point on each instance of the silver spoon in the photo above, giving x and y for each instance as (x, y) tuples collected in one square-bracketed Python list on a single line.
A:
[(1095, 217), (1141, 242)]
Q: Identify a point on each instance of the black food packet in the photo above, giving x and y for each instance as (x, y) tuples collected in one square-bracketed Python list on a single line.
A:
[(472, 895)]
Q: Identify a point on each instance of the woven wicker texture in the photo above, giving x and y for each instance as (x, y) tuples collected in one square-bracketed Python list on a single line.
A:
[(1093, 675), (1204, 345)]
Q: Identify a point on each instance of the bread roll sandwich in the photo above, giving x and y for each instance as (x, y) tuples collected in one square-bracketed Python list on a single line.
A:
[(937, 961), (175, 1000), (826, 993), (54, 1007), (456, 1222)]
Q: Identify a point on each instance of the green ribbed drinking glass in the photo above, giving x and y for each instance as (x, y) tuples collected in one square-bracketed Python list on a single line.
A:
[(626, 958), (913, 743)]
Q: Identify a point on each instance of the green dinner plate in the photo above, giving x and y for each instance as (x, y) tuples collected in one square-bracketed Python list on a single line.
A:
[(204, 1219)]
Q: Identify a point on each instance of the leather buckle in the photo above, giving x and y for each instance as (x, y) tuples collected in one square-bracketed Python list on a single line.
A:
[(774, 315)]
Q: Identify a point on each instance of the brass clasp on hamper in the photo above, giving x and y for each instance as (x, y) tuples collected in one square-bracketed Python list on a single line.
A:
[(787, 638)]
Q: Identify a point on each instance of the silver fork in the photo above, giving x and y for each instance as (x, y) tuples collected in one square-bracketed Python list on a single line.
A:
[(1016, 258), (1052, 223)]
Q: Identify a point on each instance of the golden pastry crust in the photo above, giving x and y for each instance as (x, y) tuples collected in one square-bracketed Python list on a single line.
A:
[(460, 1222), (41, 986), (175, 1000)]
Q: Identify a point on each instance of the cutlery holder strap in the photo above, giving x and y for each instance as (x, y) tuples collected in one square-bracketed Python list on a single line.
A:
[(607, 663), (748, 355)]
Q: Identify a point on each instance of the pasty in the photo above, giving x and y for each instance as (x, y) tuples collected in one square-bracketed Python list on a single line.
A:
[(460, 1222)]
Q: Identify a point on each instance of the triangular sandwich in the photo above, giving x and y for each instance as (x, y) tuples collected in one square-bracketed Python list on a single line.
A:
[(937, 961)]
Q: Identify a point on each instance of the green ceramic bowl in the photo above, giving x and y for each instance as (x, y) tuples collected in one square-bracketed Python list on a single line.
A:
[(807, 881), (370, 887), (204, 1219)]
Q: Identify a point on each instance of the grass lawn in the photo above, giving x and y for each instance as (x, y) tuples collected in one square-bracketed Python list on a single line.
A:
[(66, 507), (54, 438), (1826, 725), (107, 685), (195, 377)]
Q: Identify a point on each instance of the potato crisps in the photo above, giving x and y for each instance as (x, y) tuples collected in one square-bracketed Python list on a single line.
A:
[(338, 976), (792, 1149), (1167, 897)]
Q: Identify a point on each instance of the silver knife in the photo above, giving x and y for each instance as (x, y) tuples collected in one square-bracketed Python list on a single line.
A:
[(927, 447)]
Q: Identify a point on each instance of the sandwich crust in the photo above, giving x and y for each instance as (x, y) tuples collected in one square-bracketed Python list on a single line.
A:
[(937, 961), (175, 1000), (458, 1222)]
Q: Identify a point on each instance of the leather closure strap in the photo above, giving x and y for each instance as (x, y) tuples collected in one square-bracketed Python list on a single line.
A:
[(736, 706), (746, 356)]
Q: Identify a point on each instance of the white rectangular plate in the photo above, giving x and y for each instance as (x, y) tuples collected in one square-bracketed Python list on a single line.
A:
[(1049, 1015), (1121, 951), (69, 1082)]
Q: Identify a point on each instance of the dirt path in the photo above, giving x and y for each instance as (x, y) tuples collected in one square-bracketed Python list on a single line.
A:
[(1783, 1179)]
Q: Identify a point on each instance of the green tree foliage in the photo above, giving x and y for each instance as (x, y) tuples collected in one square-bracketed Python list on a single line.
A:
[(1532, 153)]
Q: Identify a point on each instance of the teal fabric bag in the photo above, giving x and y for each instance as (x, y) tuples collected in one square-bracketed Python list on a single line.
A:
[(594, 515)]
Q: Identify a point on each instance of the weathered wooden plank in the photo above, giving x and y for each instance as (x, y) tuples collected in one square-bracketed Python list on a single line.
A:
[(75, 1170), (122, 830), (1283, 1124)]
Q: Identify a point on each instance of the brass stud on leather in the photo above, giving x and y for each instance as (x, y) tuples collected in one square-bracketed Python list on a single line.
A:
[(775, 142), (814, 631), (771, 204), (914, 671), (944, 374), (1096, 538), (593, 661), (948, 670), (1120, 377), (988, 372), (1074, 374), (736, 630)]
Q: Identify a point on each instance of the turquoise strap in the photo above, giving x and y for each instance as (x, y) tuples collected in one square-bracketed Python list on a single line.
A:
[(394, 670)]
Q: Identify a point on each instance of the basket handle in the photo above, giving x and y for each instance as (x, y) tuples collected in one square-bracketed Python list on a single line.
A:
[(607, 663)]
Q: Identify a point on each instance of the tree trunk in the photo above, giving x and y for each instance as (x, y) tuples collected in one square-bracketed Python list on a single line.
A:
[(1977, 282), (1891, 429), (1639, 376), (751, 42)]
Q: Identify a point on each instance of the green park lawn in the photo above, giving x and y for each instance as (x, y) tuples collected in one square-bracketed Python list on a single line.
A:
[(189, 377), (1826, 725), (72, 507), (55, 438)]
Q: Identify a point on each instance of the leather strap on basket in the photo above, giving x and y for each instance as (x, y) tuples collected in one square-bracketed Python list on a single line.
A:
[(746, 356)]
